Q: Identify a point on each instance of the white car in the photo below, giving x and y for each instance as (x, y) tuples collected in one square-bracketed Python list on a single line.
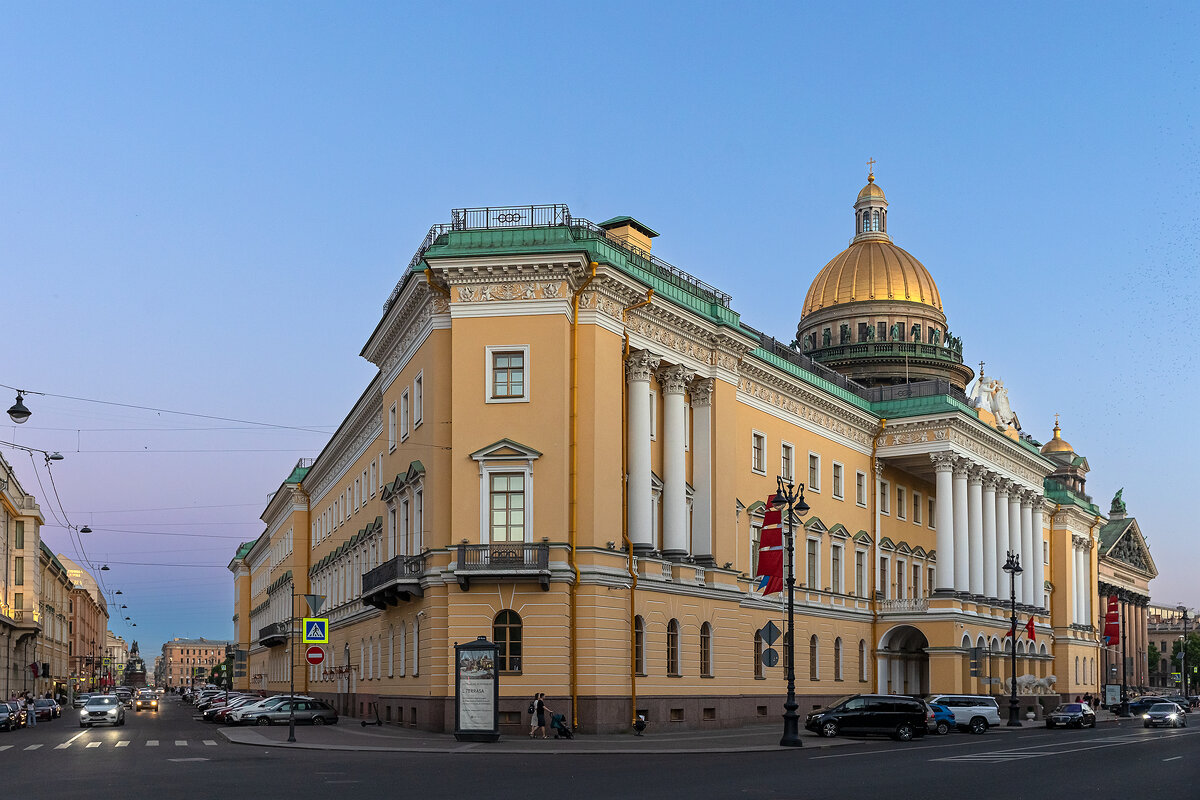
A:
[(972, 712), (102, 709), (247, 711)]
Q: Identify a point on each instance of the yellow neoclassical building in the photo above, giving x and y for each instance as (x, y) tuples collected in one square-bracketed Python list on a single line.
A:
[(567, 448)]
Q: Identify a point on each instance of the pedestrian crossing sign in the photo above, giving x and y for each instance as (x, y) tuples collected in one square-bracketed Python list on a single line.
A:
[(316, 630)]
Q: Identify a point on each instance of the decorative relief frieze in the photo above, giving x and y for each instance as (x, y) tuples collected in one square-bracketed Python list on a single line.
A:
[(509, 291), (805, 412), (671, 339)]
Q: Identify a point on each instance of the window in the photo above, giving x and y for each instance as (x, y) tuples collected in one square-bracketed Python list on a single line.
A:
[(838, 488), (929, 578), (653, 415), (507, 507), (404, 412), (418, 522), (900, 572), (673, 648), (1046, 554), (837, 659), (814, 472), (758, 651), (418, 399), (19, 571), (357, 494), (392, 428), (835, 565), (706, 665), (392, 552), (901, 503), (881, 331), (787, 461), (508, 374), (860, 573), (860, 488), (931, 515), (862, 660), (916, 508), (374, 479), (875, 219), (814, 555), (813, 656), (506, 633), (916, 580), (883, 575), (639, 645), (19, 534), (758, 456), (885, 504)]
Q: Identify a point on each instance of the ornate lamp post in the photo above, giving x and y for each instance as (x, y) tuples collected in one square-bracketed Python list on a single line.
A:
[(1013, 567), (1183, 652), (788, 498)]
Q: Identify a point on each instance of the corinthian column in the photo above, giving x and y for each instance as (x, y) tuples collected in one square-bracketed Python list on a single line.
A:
[(1003, 546), (1027, 555), (943, 464), (702, 543), (673, 381), (989, 536), (1014, 532), (638, 487), (975, 529), (1039, 562), (962, 545)]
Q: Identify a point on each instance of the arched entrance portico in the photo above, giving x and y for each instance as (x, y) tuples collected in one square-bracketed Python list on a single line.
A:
[(902, 663)]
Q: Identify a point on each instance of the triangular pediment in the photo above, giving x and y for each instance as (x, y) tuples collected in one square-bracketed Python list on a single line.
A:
[(1129, 547), (839, 530), (903, 547), (919, 551), (506, 450), (862, 537), (757, 507), (886, 544), (815, 525)]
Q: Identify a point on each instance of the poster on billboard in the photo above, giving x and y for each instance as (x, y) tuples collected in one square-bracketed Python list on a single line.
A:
[(476, 692), (1112, 694)]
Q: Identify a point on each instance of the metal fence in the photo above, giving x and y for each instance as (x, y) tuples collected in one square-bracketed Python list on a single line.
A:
[(392, 570), (504, 556)]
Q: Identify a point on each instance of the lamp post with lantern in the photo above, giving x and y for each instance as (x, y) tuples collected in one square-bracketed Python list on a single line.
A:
[(1013, 567), (787, 498)]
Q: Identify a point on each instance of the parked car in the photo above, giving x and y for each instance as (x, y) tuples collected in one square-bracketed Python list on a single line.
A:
[(1184, 705), (1167, 715), (145, 700), (45, 709), (972, 712), (943, 719), (900, 717), (1072, 715), (315, 711), (102, 709), (240, 715), (79, 700), (218, 711), (12, 715), (1142, 704)]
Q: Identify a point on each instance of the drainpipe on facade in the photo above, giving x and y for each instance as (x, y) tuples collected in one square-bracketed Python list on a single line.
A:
[(574, 488), (307, 527), (633, 579), (874, 570)]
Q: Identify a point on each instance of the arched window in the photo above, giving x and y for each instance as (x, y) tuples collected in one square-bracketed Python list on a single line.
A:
[(392, 651), (639, 645), (875, 219), (758, 651), (706, 667), (673, 648), (966, 642), (403, 646), (506, 633), (416, 647), (837, 659), (812, 658), (361, 653), (862, 661), (1077, 669)]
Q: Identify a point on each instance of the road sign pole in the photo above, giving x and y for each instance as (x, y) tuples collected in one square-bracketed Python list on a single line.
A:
[(292, 667)]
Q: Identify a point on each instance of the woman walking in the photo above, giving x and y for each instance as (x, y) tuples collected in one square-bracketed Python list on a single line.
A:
[(539, 716)]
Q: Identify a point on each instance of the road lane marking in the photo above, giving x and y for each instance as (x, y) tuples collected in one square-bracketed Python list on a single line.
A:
[(210, 743), (123, 743), (93, 744), (33, 747), (76, 736), (152, 743), (5, 747), (177, 760), (181, 743), (62, 746), (1176, 758)]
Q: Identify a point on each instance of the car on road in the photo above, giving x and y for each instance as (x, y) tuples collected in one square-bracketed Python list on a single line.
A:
[(943, 719), (219, 712), (79, 700), (240, 715), (46, 709), (125, 696), (1142, 704), (1166, 715), (1072, 715), (1184, 704), (145, 700), (972, 712), (12, 715), (902, 718), (315, 711), (102, 709)]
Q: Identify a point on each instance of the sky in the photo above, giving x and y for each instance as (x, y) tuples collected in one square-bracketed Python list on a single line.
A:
[(203, 207)]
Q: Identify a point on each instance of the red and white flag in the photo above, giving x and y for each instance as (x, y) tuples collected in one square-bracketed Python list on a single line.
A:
[(769, 575)]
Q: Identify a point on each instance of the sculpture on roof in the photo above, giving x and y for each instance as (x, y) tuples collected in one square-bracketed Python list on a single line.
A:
[(896, 332), (990, 395), (1118, 505)]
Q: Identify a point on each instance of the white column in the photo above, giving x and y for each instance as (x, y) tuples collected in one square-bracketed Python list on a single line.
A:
[(1076, 582), (1027, 555), (638, 368), (990, 568), (702, 543), (975, 529), (962, 547), (1014, 529), (943, 464), (1039, 562), (673, 381), (1002, 543), (1085, 581)]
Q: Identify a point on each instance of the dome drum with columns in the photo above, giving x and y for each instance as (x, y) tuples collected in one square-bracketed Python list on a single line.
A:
[(874, 313)]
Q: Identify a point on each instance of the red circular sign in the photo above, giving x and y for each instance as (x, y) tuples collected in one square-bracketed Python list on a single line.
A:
[(314, 655)]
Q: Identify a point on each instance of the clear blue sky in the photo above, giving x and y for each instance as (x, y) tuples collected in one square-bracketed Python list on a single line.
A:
[(204, 205)]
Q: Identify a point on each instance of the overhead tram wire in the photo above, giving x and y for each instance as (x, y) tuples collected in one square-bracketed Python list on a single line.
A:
[(162, 533)]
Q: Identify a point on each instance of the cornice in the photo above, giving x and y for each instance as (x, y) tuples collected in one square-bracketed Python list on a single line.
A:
[(363, 425), (768, 385), (967, 439)]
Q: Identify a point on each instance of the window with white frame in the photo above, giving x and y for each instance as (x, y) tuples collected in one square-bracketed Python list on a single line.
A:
[(507, 507), (404, 412), (901, 503), (860, 488), (885, 497), (404, 533), (814, 472), (506, 485), (418, 399), (931, 515), (929, 579), (1045, 556), (758, 452), (391, 546), (392, 428), (901, 572), (787, 461), (835, 568), (860, 573), (916, 580), (917, 508), (839, 489), (418, 521), (883, 576), (508, 374), (814, 564)]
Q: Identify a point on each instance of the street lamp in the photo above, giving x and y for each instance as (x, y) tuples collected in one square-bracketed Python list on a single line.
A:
[(788, 498), (19, 413), (1013, 567), (1183, 651)]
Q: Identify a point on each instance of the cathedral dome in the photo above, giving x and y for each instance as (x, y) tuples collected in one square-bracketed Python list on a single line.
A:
[(1057, 444), (871, 269), (871, 189)]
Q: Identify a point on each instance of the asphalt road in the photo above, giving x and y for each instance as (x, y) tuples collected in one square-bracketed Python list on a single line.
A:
[(170, 756)]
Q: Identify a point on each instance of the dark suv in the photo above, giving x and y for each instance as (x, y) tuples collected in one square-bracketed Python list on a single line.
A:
[(894, 715)]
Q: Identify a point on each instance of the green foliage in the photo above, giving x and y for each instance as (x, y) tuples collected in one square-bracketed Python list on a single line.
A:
[(1193, 652), (1153, 657)]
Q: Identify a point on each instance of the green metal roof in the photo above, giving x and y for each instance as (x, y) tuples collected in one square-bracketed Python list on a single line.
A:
[(1111, 531), (617, 222), (1055, 493)]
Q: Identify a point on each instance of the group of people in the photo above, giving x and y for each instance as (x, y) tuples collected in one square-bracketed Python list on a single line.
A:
[(27, 703)]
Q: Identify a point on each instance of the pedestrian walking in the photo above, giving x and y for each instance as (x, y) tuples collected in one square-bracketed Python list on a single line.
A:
[(533, 714), (540, 711), (30, 712)]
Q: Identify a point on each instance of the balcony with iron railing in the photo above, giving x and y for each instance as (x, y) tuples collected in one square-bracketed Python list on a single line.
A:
[(275, 634), (392, 581), (518, 561)]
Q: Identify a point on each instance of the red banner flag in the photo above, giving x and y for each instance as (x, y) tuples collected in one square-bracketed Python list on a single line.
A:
[(1029, 629), (34, 669), (770, 553), (1112, 621)]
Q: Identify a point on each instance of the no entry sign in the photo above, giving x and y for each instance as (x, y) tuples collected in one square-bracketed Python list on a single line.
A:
[(314, 655)]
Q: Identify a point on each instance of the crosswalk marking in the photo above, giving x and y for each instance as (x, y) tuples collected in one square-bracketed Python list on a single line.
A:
[(5, 747), (210, 743), (120, 743), (33, 747), (152, 743), (93, 744), (181, 743), (123, 743), (62, 746)]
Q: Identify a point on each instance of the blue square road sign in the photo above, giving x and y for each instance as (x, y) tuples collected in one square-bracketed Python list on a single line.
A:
[(315, 631)]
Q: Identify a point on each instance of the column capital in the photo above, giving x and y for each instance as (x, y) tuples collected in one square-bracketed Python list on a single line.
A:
[(702, 391), (943, 462), (1004, 487), (991, 481), (962, 466), (640, 365), (674, 379), (976, 473), (878, 468), (1028, 496)]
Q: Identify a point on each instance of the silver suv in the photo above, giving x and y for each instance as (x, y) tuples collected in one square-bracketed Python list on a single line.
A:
[(972, 712)]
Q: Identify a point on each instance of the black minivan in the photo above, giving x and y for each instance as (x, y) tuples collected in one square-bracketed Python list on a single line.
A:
[(897, 716)]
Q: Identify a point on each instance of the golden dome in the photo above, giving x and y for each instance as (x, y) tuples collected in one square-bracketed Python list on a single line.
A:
[(1057, 444), (871, 189), (872, 269)]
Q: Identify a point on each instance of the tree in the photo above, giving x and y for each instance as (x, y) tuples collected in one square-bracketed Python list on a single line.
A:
[(1153, 658), (1193, 653)]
